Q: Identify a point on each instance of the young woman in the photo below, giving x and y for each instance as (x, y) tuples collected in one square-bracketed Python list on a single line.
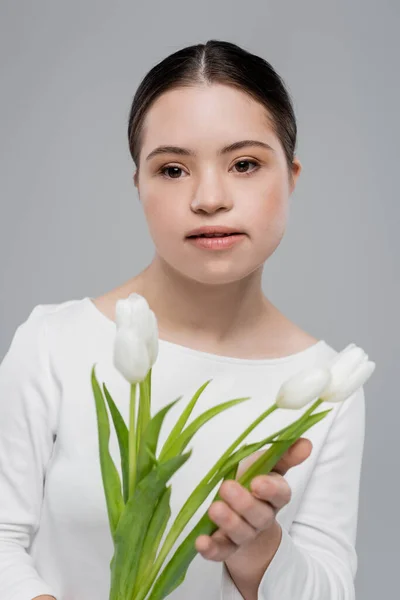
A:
[(212, 134)]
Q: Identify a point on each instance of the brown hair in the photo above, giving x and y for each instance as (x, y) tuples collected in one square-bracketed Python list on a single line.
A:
[(217, 62)]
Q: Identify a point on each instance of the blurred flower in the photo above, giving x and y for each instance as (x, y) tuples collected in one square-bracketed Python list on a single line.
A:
[(136, 339), (344, 374), (350, 369), (301, 388)]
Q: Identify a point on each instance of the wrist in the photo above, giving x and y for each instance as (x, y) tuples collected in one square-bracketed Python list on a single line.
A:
[(249, 563)]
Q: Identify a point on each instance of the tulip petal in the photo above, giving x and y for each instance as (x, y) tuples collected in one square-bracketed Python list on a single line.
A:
[(351, 385), (139, 316), (144, 322), (339, 354), (122, 313), (130, 355), (347, 363), (342, 369), (152, 344), (301, 388)]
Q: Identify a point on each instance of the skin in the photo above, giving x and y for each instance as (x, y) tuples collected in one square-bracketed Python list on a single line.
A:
[(248, 531), (213, 301)]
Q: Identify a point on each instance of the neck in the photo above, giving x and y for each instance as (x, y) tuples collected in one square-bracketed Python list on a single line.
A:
[(217, 312)]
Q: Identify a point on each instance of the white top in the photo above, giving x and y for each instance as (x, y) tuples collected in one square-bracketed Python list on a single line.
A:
[(54, 530)]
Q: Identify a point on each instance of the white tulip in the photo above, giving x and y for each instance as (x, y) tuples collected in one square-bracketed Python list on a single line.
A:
[(152, 342), (301, 388), (136, 340), (350, 369), (133, 311), (131, 357), (123, 313)]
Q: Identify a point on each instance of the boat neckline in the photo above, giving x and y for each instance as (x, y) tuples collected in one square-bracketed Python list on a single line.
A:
[(111, 325)]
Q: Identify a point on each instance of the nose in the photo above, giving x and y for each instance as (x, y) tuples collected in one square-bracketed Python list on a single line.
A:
[(211, 196)]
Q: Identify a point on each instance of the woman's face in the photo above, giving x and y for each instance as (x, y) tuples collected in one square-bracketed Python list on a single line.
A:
[(247, 188)]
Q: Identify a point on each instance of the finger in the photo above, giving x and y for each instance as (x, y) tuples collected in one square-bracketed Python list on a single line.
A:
[(247, 462), (296, 454), (255, 510), (216, 547), (272, 488), (231, 523)]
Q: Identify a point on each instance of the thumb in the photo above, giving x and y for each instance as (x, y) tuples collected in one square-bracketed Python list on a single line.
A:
[(247, 462), (294, 455)]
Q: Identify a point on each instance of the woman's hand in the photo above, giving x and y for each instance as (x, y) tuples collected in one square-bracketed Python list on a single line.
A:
[(246, 519)]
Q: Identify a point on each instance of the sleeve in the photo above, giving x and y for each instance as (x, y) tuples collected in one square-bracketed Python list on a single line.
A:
[(27, 431), (317, 557)]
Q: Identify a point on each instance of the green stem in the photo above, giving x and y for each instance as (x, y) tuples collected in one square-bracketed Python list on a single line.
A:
[(174, 533), (147, 402), (143, 408), (139, 416), (254, 469), (132, 441)]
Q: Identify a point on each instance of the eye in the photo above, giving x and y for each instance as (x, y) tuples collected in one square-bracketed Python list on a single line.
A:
[(244, 161), (173, 168)]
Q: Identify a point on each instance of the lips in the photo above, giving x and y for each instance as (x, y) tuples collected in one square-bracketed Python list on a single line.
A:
[(213, 231), (212, 235), (216, 242)]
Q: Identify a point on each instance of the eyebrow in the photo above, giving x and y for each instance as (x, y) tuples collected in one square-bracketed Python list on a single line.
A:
[(224, 150)]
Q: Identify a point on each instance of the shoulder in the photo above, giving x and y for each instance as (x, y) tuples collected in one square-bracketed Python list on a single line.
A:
[(32, 334), (41, 316), (282, 337)]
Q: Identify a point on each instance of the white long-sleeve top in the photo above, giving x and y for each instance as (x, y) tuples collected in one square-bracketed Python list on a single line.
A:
[(54, 530)]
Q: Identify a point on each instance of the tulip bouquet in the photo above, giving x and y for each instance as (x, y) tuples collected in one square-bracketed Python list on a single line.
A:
[(139, 509)]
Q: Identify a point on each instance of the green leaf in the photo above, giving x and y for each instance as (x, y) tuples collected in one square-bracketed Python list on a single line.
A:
[(133, 524), (247, 450), (179, 425), (226, 469), (175, 571), (109, 472), (266, 462), (182, 441), (123, 440), (153, 457), (191, 505), (154, 534), (149, 441), (232, 473)]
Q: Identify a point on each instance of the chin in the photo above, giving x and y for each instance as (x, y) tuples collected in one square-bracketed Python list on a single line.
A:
[(215, 274)]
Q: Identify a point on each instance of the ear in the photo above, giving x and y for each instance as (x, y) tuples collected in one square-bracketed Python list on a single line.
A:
[(296, 170), (136, 182)]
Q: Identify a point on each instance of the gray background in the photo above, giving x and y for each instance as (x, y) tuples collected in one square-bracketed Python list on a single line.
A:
[(71, 224)]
